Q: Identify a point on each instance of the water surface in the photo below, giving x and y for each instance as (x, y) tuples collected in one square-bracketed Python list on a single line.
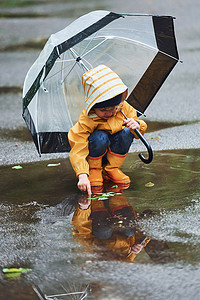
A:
[(36, 210)]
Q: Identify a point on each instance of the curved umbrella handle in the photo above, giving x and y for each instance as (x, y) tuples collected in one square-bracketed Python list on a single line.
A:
[(147, 145), (141, 156)]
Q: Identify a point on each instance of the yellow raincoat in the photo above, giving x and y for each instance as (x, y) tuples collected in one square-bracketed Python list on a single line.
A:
[(80, 132)]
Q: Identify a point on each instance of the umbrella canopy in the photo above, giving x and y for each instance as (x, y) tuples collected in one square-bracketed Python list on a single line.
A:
[(141, 49)]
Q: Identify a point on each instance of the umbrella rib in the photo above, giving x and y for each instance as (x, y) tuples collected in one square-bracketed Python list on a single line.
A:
[(117, 38), (72, 60), (68, 60), (87, 62), (78, 58), (105, 39), (94, 47), (132, 41), (65, 60), (168, 55), (68, 72), (89, 42)]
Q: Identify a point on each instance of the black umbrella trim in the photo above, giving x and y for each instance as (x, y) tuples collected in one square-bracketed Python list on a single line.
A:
[(88, 31), (151, 81), (47, 142), (62, 48), (161, 66), (29, 122), (165, 35), (54, 142)]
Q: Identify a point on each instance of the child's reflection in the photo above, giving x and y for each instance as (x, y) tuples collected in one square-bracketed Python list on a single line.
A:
[(109, 223)]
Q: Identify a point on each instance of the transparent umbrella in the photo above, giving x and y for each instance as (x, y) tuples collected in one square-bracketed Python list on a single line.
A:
[(141, 49)]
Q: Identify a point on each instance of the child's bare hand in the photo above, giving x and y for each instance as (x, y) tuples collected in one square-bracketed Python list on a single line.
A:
[(136, 248), (131, 124), (84, 184)]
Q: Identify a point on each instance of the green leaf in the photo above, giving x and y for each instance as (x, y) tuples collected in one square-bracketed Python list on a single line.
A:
[(15, 270), (53, 165), (149, 184), (110, 194), (17, 167), (102, 198), (114, 187)]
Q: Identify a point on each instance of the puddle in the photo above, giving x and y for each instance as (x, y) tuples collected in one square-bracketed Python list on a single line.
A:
[(41, 230), (157, 125), (17, 289), (36, 182), (10, 89), (19, 133), (21, 15), (34, 44)]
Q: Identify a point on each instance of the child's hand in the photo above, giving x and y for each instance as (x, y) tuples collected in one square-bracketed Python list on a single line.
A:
[(136, 248), (84, 184), (131, 124)]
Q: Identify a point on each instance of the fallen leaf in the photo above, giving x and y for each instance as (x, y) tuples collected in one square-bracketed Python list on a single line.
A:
[(53, 165), (17, 167), (149, 184), (15, 270), (102, 198)]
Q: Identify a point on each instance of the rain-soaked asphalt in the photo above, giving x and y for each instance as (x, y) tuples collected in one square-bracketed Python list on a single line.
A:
[(38, 201), (41, 230)]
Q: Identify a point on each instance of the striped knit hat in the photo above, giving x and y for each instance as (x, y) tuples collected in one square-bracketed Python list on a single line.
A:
[(101, 84)]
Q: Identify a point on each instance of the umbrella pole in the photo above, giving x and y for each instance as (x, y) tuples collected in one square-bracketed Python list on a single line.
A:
[(147, 145)]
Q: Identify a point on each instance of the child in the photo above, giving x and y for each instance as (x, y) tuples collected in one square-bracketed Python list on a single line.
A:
[(101, 138)]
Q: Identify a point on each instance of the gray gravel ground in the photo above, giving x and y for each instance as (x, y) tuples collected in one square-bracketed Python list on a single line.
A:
[(177, 101)]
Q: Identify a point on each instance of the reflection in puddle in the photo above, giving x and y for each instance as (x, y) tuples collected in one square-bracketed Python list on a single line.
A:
[(111, 225), (47, 225)]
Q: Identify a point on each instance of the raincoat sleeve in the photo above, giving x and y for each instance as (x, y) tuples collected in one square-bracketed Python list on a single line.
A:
[(130, 112), (78, 139), (82, 222)]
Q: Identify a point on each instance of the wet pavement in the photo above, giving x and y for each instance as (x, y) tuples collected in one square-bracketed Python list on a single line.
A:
[(39, 231), (38, 201)]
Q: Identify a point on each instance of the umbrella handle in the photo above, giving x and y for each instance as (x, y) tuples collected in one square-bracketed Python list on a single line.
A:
[(147, 145), (141, 156)]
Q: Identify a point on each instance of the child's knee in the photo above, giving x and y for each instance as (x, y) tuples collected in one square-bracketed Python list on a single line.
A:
[(121, 141), (98, 141), (125, 134)]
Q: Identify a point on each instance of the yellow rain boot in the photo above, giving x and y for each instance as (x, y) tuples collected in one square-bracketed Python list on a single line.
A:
[(112, 171), (95, 169)]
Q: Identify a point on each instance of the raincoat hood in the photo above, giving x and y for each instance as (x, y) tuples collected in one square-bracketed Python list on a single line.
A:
[(101, 84)]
